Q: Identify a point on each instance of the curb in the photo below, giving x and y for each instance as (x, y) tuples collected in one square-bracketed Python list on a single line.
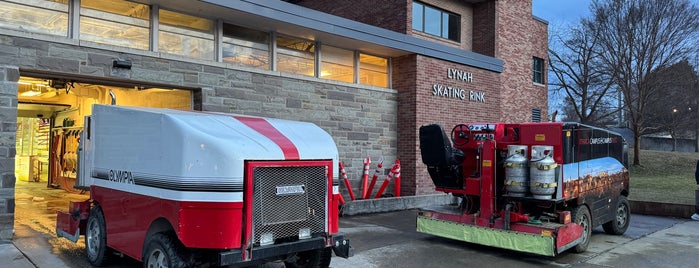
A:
[(661, 209), (389, 204)]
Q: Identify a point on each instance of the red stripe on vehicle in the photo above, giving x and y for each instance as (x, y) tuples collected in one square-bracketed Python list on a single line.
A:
[(265, 128)]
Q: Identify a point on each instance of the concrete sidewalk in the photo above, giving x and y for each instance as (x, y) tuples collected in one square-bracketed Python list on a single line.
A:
[(12, 258)]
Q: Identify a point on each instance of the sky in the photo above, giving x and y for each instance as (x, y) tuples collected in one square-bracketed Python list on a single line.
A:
[(561, 12)]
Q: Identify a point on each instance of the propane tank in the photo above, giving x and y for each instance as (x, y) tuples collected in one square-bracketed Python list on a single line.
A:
[(516, 171), (543, 172)]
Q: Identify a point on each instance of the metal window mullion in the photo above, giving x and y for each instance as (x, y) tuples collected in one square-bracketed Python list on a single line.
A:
[(218, 40), (356, 67), (389, 73), (154, 27), (74, 19), (424, 17), (273, 51), (316, 68)]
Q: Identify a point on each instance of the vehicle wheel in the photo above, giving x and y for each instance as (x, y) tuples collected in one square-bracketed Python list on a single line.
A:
[(163, 251), (621, 222), (319, 258), (581, 215), (96, 238)]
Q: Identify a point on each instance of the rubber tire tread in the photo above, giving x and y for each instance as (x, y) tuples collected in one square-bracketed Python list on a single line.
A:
[(177, 255), (104, 253), (612, 227), (577, 215)]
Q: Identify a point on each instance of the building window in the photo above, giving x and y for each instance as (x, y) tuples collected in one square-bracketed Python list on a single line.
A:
[(119, 23), (245, 47), (39, 16), (373, 70), (536, 115), (185, 35), (538, 68), (337, 64), (436, 22), (296, 56)]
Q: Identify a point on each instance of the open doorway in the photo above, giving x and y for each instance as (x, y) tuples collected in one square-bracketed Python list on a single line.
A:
[(50, 115)]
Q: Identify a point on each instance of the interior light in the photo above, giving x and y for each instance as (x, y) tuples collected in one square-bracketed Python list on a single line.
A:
[(30, 93)]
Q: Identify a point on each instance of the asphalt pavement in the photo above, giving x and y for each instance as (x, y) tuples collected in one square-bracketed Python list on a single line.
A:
[(389, 239)]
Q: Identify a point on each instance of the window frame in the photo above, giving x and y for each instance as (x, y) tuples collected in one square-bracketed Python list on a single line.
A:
[(445, 17), (538, 70)]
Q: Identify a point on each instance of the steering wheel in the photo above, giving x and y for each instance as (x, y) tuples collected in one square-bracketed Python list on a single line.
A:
[(463, 134)]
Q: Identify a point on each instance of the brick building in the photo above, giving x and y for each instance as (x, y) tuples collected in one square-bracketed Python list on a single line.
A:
[(368, 72)]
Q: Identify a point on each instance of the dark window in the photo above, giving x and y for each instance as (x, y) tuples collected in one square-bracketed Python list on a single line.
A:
[(538, 68), (436, 22)]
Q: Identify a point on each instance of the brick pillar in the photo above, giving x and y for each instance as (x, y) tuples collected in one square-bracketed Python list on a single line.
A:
[(8, 127)]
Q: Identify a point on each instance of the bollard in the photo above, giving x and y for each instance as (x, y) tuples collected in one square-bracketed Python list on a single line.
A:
[(386, 182), (365, 177), (347, 182), (396, 180), (379, 169), (341, 199)]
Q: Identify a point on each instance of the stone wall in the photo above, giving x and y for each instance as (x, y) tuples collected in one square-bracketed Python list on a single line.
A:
[(361, 119), (8, 127), (667, 144)]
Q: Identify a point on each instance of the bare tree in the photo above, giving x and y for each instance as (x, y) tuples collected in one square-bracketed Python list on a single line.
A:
[(575, 64), (636, 38), (673, 110)]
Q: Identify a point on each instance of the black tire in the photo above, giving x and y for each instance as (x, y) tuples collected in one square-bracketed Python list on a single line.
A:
[(622, 218), (98, 254), (581, 215), (163, 250), (319, 258)]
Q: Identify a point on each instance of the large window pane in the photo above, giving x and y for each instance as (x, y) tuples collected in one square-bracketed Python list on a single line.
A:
[(39, 16), (337, 64), (433, 21), (538, 70), (245, 47), (186, 35), (118, 23), (373, 70), (436, 22), (417, 16), (295, 56)]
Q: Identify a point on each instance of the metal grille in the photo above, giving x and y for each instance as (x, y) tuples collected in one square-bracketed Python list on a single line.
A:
[(283, 213)]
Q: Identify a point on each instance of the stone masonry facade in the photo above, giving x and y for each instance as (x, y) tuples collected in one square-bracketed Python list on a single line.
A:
[(361, 119), (8, 126)]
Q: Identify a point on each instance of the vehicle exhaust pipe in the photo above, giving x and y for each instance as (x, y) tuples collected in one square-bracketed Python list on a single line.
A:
[(111, 94)]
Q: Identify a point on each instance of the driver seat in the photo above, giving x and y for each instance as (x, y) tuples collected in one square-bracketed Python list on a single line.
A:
[(443, 161)]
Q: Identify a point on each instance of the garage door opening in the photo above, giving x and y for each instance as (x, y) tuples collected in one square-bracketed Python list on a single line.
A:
[(50, 115)]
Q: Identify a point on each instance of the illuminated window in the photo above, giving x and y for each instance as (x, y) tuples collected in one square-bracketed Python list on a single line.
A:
[(39, 16), (373, 70), (246, 47), (119, 23), (337, 64), (436, 22), (186, 35), (296, 56)]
